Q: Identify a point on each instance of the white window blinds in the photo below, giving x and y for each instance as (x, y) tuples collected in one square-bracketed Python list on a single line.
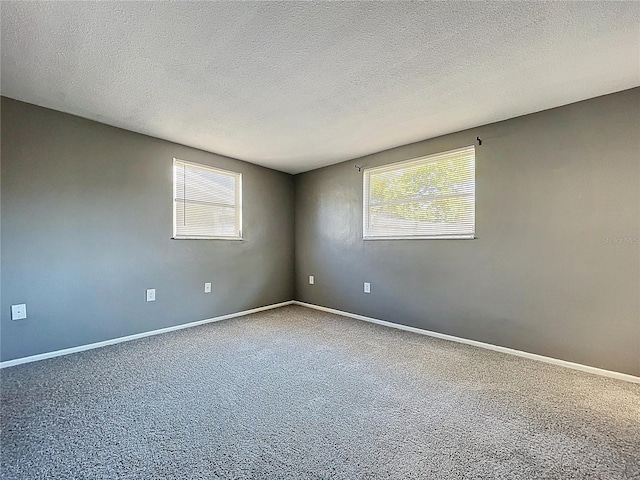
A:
[(206, 202), (427, 197)]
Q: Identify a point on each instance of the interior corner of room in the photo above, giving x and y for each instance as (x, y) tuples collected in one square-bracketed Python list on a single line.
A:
[(95, 114), (341, 240), (86, 211)]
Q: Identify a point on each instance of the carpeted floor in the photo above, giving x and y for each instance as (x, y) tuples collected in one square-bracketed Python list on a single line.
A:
[(295, 393)]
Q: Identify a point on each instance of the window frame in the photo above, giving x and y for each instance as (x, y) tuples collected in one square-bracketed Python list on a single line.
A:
[(366, 203), (238, 199)]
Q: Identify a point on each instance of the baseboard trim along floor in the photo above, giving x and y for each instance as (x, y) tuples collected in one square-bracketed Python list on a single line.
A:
[(533, 356), (113, 341)]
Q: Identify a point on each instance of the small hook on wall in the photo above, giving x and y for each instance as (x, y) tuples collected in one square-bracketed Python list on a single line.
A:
[(479, 140), (358, 167)]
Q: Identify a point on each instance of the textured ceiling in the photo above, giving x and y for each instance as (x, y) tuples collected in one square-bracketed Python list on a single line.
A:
[(295, 86)]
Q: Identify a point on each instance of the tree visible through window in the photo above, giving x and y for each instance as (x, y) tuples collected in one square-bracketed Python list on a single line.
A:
[(427, 197)]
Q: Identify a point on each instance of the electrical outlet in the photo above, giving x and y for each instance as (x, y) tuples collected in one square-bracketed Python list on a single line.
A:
[(207, 287), (367, 287), (19, 312), (311, 280), (151, 295)]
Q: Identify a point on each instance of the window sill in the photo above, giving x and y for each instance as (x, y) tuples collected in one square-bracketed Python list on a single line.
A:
[(234, 239), (431, 237)]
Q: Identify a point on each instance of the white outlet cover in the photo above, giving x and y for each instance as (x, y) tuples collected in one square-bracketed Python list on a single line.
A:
[(151, 295), (367, 287), (311, 280), (207, 287), (19, 312)]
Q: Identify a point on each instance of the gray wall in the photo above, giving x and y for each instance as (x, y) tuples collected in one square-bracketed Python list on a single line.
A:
[(86, 227), (556, 266)]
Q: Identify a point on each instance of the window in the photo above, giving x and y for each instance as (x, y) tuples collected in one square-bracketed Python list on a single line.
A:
[(206, 202), (427, 197)]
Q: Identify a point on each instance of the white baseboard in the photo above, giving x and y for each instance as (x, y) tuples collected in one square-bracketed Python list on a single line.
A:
[(533, 356), (475, 343), (90, 346)]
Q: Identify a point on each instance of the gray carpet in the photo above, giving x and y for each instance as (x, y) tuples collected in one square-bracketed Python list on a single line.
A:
[(294, 393)]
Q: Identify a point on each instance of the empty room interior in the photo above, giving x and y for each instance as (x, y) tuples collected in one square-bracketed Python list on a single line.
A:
[(320, 240)]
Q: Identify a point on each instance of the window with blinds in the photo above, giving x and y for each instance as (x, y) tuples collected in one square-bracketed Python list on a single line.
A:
[(422, 198), (206, 202)]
